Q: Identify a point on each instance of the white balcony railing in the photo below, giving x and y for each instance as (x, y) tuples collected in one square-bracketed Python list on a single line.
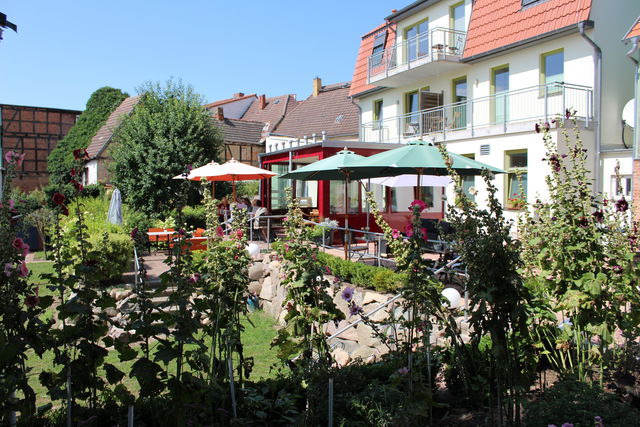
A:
[(498, 112), (433, 45)]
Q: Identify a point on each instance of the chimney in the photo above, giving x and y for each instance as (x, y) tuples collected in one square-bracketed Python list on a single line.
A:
[(220, 113), (263, 101), (317, 85), (238, 95)]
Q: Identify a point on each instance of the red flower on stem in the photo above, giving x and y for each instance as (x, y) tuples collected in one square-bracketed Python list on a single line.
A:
[(58, 198), (32, 300)]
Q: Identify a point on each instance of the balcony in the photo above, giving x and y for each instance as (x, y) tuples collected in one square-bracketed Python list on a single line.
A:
[(505, 112), (414, 59)]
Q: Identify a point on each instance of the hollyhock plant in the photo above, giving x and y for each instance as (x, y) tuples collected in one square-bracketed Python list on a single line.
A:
[(17, 243), (58, 198), (347, 294), (8, 269), (419, 204)]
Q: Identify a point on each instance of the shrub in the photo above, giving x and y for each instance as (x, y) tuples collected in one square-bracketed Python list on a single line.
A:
[(194, 217), (367, 276), (116, 251), (579, 403), (93, 190)]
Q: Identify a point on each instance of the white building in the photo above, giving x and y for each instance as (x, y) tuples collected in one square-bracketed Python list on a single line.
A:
[(477, 76)]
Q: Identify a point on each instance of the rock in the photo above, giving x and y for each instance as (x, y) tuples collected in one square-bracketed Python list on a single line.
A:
[(346, 345), (254, 287), (256, 271), (111, 311), (380, 315), (113, 292), (350, 334), (119, 334), (127, 305), (205, 321), (366, 336), (341, 357), (267, 292), (120, 295), (342, 305), (274, 265), (370, 297), (363, 352), (281, 317)]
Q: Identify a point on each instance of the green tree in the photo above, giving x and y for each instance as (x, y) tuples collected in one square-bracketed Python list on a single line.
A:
[(168, 131), (100, 105)]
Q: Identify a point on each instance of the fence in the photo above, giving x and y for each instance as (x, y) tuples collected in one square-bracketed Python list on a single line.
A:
[(542, 102)]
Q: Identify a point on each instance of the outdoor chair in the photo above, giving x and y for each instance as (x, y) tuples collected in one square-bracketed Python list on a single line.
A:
[(158, 241)]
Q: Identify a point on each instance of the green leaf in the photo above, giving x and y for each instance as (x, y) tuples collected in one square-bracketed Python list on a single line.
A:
[(114, 375)]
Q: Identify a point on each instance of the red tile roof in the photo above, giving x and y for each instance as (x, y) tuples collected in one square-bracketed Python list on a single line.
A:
[(496, 24), (227, 101), (359, 80), (274, 110), (102, 138), (331, 111), (634, 31)]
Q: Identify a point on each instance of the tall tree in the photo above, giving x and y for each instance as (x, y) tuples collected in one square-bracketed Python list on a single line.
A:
[(167, 132), (99, 106)]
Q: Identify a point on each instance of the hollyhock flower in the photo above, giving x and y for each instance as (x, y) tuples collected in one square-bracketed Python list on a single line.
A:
[(12, 205), (134, 233), (195, 277), (567, 114), (347, 294), (408, 230), (355, 309), (219, 231), (18, 243), (582, 221), (567, 425), (395, 233), (64, 211), (24, 271), (403, 371), (32, 300), (327, 269), (80, 154), (58, 198), (419, 203), (182, 232), (425, 237), (555, 162), (13, 157), (77, 185), (537, 128), (239, 234), (622, 205), (8, 268), (598, 216)]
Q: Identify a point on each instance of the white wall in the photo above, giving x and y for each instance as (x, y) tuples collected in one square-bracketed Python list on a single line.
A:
[(92, 172), (235, 109)]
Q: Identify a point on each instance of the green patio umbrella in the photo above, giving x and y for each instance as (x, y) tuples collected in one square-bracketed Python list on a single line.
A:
[(416, 157), (336, 168)]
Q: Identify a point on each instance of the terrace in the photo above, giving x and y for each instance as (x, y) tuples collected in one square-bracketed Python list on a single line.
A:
[(496, 114), (436, 51)]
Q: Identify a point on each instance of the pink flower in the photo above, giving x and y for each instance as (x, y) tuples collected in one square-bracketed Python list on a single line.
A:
[(239, 234), (424, 234), (194, 278), (18, 243), (24, 271), (408, 230), (395, 233), (220, 232), (12, 204), (403, 371), (12, 156), (8, 268), (419, 203)]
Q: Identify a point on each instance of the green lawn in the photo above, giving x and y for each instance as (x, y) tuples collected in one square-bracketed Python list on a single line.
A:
[(256, 338)]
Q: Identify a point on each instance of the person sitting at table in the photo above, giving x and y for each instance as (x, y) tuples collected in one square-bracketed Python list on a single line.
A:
[(223, 210)]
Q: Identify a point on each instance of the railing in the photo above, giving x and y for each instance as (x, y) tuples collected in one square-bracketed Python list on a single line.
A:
[(542, 102), (415, 51)]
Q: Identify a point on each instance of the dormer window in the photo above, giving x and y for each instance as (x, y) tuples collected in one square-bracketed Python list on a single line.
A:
[(378, 48)]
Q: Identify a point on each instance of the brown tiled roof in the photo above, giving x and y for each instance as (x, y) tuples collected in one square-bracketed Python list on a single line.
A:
[(496, 24), (359, 80), (102, 138), (634, 31), (275, 109), (240, 131), (227, 101), (331, 111)]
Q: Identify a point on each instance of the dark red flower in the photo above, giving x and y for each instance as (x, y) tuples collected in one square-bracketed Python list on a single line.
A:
[(134, 232), (598, 216), (622, 205), (58, 198), (537, 128), (567, 114), (239, 234), (77, 185), (32, 301), (17, 243), (80, 154), (64, 211), (582, 221)]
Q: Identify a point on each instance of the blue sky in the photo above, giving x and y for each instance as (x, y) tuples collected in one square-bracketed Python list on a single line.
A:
[(66, 49)]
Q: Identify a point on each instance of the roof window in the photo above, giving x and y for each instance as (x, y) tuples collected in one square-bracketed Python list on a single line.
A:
[(378, 48), (340, 118), (277, 101)]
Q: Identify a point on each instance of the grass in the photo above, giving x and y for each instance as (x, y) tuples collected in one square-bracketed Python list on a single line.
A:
[(257, 336)]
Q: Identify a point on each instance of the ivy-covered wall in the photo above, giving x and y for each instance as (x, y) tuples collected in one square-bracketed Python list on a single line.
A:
[(100, 105)]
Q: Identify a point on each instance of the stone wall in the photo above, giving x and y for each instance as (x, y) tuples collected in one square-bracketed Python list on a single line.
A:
[(359, 342)]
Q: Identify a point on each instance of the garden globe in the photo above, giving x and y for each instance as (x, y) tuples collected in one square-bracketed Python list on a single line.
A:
[(452, 296), (253, 249)]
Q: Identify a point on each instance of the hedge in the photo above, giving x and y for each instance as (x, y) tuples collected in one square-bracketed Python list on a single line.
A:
[(380, 279)]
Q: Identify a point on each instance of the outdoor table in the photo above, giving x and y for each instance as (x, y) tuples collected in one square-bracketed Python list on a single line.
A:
[(159, 234)]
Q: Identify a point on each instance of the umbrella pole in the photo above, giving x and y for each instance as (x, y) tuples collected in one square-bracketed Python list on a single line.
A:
[(418, 183), (213, 189), (346, 217), (233, 186)]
